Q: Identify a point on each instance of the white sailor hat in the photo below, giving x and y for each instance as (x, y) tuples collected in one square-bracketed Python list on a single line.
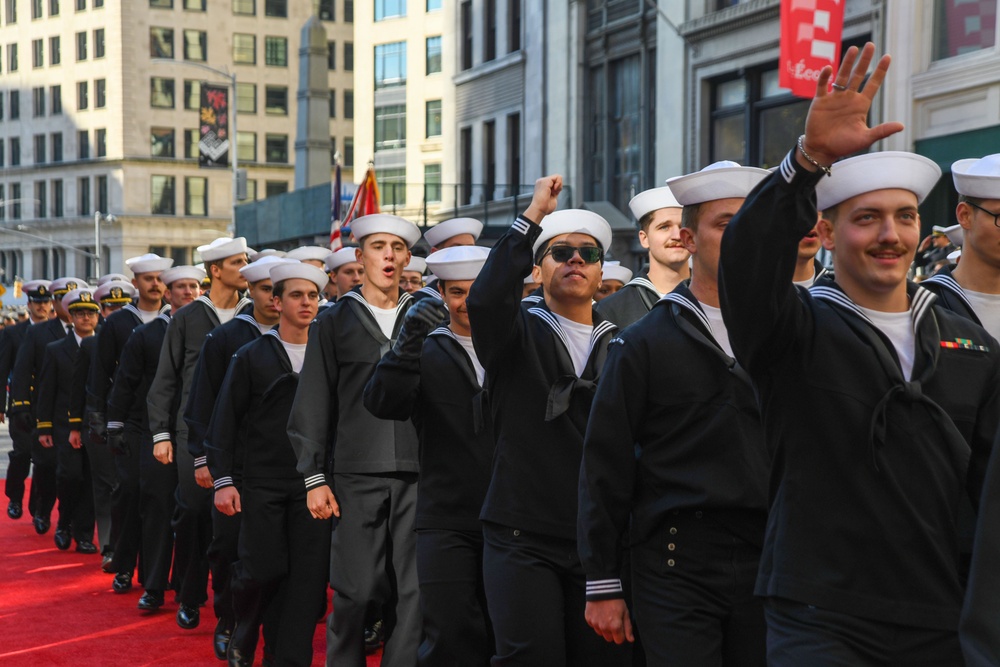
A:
[(148, 263), (446, 229), (383, 223), (978, 178), (955, 233), (418, 264), (458, 262), (37, 290), (113, 277), (183, 272), (288, 269), (266, 252), (719, 180), (260, 270), (308, 252), (574, 221), (886, 170), (80, 299), (529, 279), (653, 200), (338, 258), (223, 247), (60, 286), (114, 292), (615, 271), (954, 255)]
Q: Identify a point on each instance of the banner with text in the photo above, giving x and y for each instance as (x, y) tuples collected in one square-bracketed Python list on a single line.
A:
[(213, 143), (810, 39)]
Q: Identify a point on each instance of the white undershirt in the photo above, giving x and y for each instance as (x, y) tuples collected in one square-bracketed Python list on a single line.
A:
[(296, 354), (225, 314), (987, 307), (386, 318), (466, 342), (264, 328), (147, 316), (807, 283), (578, 337), (898, 327), (719, 330)]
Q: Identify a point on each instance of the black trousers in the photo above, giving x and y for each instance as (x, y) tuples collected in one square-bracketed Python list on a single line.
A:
[(20, 464), (281, 576), (535, 587), (104, 479), (222, 553), (457, 628), (192, 524), (43, 478), (373, 566), (75, 492), (692, 591), (126, 519), (157, 486), (801, 634)]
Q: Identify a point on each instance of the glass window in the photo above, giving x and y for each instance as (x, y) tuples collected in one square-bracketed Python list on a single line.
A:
[(57, 147), (246, 146), (161, 42), (327, 10), (348, 104), (432, 183), (99, 43), (251, 190), (38, 102), (162, 191), (81, 5), (433, 5), (275, 188), (42, 198), (331, 55), (333, 104), (348, 11), (349, 56), (349, 151), (57, 198), (276, 8), (195, 196), (55, 92), (276, 51), (81, 46), (83, 144), (433, 55), (15, 152), (161, 141), (83, 192), (388, 9), (98, 4), (276, 100), (11, 11), (36, 9), (53, 7), (246, 97), (194, 5), (162, 4), (434, 118), (247, 7), (465, 21), (244, 49), (191, 139), (390, 127), (192, 95), (55, 51), (37, 53), (12, 57), (161, 92), (101, 185), (490, 30), (15, 195), (963, 26), (15, 104), (101, 142), (100, 94), (392, 186), (40, 151), (195, 45), (276, 148), (390, 65), (82, 99)]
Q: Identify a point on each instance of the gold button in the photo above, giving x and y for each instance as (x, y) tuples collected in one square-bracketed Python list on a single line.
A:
[(670, 562), (517, 533), (671, 546), (673, 531)]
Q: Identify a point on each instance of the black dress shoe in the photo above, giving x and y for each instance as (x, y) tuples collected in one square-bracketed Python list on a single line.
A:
[(122, 582), (14, 509), (151, 600), (223, 633), (86, 547), (41, 523), (63, 539), (107, 562), (237, 658), (374, 636), (188, 617)]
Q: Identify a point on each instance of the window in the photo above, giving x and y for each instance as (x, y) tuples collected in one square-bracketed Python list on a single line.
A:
[(276, 100), (15, 104), (83, 144), (192, 95), (36, 9), (195, 45), (42, 198), (466, 35), (98, 4), (465, 165), (57, 198), (99, 43), (194, 5), (333, 151), (276, 148), (432, 183), (490, 31), (101, 143), (3, 209), (1, 110), (389, 9), (331, 55), (333, 104), (15, 195), (11, 11), (161, 42), (348, 104), (55, 92), (276, 51), (40, 151), (191, 139), (37, 102), (81, 95), (161, 141), (390, 127), (392, 186), (433, 55), (81, 5), (12, 57), (162, 190), (251, 190), (513, 152), (195, 196), (81, 46), (83, 196), (15, 152), (390, 65), (244, 49), (246, 7), (348, 11), (963, 27), (2, 160), (349, 56), (349, 151), (433, 118), (161, 92), (276, 8), (102, 193), (55, 50), (53, 7), (246, 146), (489, 159), (275, 188), (327, 11), (162, 4), (433, 6), (37, 53), (57, 147), (100, 93), (246, 97)]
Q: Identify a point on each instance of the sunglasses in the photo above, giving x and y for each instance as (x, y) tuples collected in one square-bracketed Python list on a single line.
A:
[(563, 253)]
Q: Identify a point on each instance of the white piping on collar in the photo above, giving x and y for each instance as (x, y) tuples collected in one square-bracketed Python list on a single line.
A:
[(640, 281), (687, 303), (951, 284), (443, 331), (403, 300), (920, 302), (549, 318)]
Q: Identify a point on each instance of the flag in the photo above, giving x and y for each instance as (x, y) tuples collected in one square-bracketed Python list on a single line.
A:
[(336, 243), (213, 143), (365, 200), (810, 39)]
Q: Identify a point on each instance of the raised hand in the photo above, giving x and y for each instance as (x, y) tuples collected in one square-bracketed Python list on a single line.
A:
[(545, 199), (422, 318)]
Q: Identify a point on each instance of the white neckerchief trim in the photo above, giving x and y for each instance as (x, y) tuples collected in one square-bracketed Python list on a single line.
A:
[(532, 298), (687, 303), (430, 291), (951, 284), (641, 281), (248, 319), (132, 309), (598, 330), (208, 302), (920, 303), (164, 316), (403, 300), (443, 331)]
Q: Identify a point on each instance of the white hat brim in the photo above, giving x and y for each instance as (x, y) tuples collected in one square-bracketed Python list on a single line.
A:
[(885, 170), (574, 221), (719, 183)]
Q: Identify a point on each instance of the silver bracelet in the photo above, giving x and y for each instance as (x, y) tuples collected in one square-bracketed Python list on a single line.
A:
[(826, 170)]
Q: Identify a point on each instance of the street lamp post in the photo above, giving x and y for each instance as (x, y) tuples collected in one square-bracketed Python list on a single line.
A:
[(98, 217)]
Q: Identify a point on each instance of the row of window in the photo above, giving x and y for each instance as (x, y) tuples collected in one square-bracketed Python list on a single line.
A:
[(10, 151), (391, 9), (55, 50), (489, 36), (393, 186), (390, 124), (49, 201), (331, 56), (38, 6), (489, 156), (162, 95), (38, 97), (390, 62), (274, 8)]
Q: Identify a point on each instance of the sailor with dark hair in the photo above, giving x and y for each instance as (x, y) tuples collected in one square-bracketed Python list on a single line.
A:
[(448, 234)]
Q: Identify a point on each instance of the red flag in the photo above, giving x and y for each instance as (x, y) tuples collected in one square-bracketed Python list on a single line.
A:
[(365, 200), (810, 39)]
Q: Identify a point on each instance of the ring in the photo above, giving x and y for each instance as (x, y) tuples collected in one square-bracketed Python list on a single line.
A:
[(837, 86)]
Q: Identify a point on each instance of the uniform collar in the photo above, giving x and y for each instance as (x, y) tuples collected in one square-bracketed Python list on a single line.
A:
[(945, 280), (920, 300)]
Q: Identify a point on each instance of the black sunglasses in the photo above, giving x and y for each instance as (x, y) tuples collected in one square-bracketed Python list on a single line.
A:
[(996, 216), (590, 254)]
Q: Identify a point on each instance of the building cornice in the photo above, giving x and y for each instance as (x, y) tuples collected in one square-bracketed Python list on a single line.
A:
[(729, 19), (485, 69)]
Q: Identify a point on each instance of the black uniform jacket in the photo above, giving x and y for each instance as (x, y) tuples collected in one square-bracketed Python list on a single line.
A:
[(630, 303), (219, 347), (441, 393), (869, 468), (136, 370), (23, 388), (10, 342), (674, 426), (950, 294), (328, 418), (80, 402), (55, 381), (980, 630), (538, 404), (257, 391)]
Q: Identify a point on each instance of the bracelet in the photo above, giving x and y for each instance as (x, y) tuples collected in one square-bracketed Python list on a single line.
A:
[(809, 159)]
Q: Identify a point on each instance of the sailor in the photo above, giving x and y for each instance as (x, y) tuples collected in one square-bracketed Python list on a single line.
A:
[(542, 363), (345, 272), (126, 405), (39, 309), (372, 462), (448, 234), (309, 254), (23, 395), (76, 499), (216, 352), (674, 462), (114, 294), (613, 278), (881, 406), (166, 400), (438, 382), (412, 279), (284, 553), (659, 216)]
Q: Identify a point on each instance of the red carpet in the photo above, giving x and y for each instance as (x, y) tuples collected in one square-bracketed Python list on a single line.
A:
[(57, 608)]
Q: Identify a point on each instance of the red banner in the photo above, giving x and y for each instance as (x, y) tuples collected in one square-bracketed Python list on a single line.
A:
[(810, 39)]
